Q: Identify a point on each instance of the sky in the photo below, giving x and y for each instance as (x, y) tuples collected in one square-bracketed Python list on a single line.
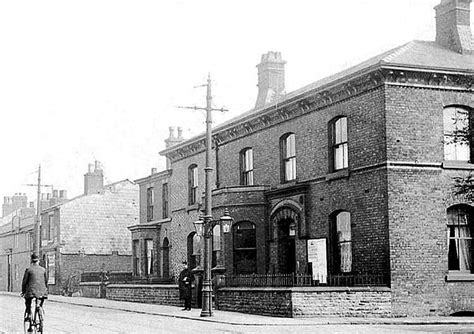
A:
[(101, 79)]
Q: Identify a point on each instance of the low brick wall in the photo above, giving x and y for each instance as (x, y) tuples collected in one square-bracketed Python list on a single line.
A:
[(92, 289), (144, 293), (307, 302)]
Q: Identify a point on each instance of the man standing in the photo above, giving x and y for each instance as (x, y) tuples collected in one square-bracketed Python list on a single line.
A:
[(34, 283), (186, 279)]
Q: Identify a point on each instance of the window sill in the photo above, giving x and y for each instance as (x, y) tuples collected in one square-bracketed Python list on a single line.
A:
[(459, 277), (193, 207), (453, 164), (340, 174)]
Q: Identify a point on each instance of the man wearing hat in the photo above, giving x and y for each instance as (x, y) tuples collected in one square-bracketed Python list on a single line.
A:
[(186, 279), (34, 283)]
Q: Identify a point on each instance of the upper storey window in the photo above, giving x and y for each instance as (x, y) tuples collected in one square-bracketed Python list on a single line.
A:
[(338, 144), (246, 167), (288, 157), (165, 201), (192, 184), (150, 200), (457, 132)]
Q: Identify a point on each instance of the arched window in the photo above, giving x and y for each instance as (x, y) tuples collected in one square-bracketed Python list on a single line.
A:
[(246, 167), (341, 242), (288, 157), (460, 231), (166, 258), (457, 134), (192, 250), (216, 245), (193, 184), (245, 248), (339, 156)]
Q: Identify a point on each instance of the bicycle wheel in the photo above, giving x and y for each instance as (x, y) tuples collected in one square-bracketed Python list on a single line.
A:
[(28, 325), (40, 320)]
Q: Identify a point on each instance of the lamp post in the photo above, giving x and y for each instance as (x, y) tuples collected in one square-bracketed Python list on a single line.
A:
[(204, 228)]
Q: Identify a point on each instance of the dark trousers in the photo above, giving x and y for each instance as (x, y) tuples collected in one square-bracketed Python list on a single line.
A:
[(28, 301), (187, 302)]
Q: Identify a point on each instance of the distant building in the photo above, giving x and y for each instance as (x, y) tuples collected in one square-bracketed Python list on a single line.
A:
[(89, 232), (17, 235)]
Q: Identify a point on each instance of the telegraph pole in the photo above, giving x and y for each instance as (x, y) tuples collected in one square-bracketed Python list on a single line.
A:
[(207, 284), (38, 214), (38, 211)]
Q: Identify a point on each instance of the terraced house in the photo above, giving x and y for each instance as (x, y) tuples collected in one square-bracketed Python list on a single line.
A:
[(346, 178)]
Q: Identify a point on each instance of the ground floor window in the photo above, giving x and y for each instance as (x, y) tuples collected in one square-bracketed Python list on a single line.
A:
[(136, 257), (149, 257), (342, 242), (460, 228), (245, 248)]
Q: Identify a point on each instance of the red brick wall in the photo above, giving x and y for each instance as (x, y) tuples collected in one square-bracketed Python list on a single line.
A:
[(363, 193), (419, 196)]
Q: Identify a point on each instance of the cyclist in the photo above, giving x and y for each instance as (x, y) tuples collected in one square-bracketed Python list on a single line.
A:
[(34, 284)]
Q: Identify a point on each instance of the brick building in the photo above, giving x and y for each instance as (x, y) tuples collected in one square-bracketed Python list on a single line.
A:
[(17, 234), (356, 167), (89, 232)]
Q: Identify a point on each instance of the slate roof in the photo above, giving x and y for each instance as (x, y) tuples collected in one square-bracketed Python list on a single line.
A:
[(423, 55), (97, 223)]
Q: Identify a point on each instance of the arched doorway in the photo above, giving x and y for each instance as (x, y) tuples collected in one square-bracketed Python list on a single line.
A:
[(166, 258), (283, 233), (286, 246)]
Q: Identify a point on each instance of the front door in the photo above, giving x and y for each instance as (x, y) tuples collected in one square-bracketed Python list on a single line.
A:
[(286, 247)]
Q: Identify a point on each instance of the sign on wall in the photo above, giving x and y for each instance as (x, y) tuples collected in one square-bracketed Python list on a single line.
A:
[(317, 258), (51, 268)]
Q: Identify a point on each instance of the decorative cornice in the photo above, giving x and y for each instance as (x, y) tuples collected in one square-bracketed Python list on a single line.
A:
[(325, 96)]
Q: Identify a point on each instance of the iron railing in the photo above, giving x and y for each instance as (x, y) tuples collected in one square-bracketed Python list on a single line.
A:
[(110, 276), (294, 280)]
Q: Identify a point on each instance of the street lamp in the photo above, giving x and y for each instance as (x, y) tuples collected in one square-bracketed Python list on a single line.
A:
[(204, 228)]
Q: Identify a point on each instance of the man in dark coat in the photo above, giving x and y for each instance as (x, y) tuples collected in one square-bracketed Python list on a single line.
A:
[(185, 282), (34, 283)]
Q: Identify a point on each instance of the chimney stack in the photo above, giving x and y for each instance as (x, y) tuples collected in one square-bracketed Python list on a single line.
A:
[(62, 194), (153, 170), (94, 179), (271, 78), (173, 140), (453, 26)]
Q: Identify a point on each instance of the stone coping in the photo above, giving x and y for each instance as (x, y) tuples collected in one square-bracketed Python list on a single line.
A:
[(311, 289), (150, 286), (90, 283)]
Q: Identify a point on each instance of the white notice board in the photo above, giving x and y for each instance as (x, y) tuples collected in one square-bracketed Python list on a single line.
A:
[(318, 259), (51, 268)]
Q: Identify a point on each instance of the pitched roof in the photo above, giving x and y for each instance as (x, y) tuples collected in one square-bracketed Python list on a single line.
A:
[(422, 55), (97, 223)]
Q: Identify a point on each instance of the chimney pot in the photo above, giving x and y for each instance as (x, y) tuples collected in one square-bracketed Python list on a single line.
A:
[(91, 168), (55, 193), (180, 133), (98, 166), (153, 170)]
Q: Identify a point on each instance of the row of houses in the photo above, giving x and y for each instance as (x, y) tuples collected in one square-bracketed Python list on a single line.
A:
[(349, 176), (85, 233)]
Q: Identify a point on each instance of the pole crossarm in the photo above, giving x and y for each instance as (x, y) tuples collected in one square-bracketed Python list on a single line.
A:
[(201, 108)]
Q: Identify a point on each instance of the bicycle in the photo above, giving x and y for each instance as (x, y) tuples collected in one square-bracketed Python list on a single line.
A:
[(35, 323)]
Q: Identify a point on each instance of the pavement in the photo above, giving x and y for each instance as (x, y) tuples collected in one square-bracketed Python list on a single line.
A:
[(236, 318)]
